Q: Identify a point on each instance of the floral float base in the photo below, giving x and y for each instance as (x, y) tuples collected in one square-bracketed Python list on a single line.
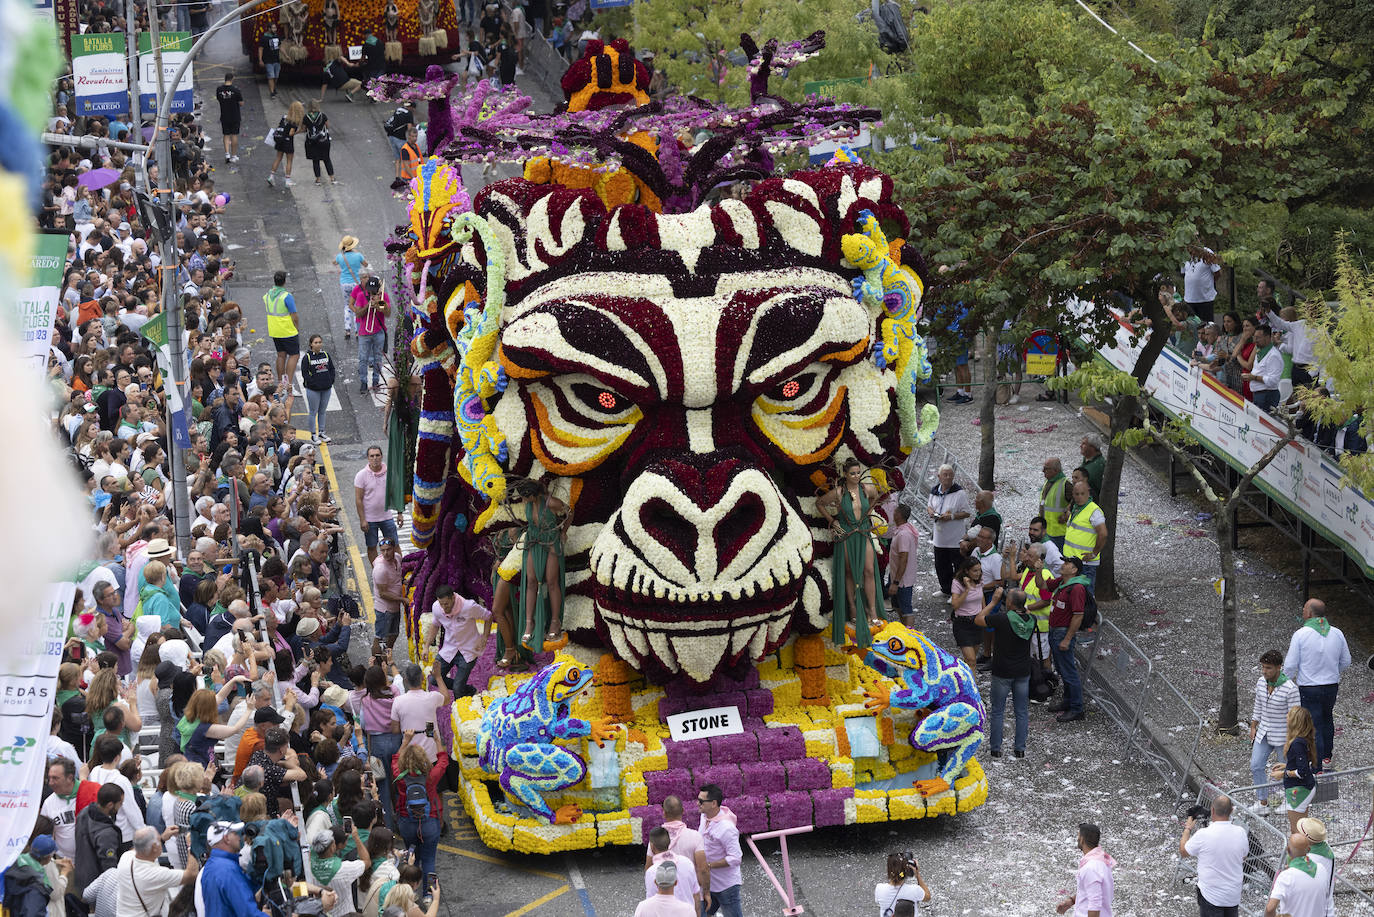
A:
[(795, 764)]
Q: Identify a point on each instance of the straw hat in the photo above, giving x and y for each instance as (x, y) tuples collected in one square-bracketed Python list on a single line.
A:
[(348, 243), (1314, 830)]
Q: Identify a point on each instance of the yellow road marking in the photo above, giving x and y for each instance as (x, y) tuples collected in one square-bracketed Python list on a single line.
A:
[(482, 857), (539, 901), (359, 582)]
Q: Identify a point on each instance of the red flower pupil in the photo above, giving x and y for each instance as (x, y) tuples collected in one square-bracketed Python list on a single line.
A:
[(607, 400), (790, 389)]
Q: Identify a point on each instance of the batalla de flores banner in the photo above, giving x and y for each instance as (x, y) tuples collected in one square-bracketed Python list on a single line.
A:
[(99, 69), (28, 686)]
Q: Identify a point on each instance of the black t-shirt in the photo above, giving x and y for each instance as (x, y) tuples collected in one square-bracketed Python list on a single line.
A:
[(230, 101), (491, 27), (396, 125), (508, 60), (269, 45), (1010, 653), (373, 51)]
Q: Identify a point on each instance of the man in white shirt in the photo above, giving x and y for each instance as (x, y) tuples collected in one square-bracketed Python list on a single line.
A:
[(1264, 376), (328, 870), (1200, 285), (1317, 655), (108, 750), (686, 890), (144, 886), (948, 507), (1300, 890), (1296, 343), (60, 806), (1220, 848), (1275, 695)]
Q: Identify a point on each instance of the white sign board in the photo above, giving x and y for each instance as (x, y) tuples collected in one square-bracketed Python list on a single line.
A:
[(702, 724)]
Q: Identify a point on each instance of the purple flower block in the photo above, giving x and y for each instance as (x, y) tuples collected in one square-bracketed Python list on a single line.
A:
[(668, 705), (789, 810), (760, 703), (807, 774), (827, 806), (673, 782), (765, 778), (653, 816), (734, 749), (751, 813), (728, 777), (724, 699), (692, 753), (781, 743)]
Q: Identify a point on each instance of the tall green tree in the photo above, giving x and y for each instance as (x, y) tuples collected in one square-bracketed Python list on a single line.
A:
[(1109, 182)]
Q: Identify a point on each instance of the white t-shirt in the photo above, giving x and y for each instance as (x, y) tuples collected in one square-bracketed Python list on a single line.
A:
[(886, 895), (152, 881), (342, 884), (947, 534), (129, 818), (1199, 280), (415, 710), (1299, 894), (1220, 849), (63, 815)]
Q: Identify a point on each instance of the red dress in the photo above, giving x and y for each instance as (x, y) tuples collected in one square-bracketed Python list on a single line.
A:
[(1246, 353)]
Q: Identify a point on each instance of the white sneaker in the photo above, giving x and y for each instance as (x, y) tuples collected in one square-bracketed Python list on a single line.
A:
[(233, 159), (227, 158), (270, 179), (289, 182), (1258, 808), (324, 438)]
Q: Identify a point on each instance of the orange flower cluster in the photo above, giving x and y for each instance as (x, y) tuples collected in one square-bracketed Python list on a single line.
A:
[(615, 681), (809, 663)]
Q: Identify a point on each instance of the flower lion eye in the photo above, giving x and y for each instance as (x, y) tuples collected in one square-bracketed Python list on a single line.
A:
[(790, 388), (896, 647), (608, 401)]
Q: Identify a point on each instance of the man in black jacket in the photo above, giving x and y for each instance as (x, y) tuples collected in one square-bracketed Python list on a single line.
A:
[(97, 836)]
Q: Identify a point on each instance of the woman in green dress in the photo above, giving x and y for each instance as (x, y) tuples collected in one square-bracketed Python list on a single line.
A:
[(846, 510)]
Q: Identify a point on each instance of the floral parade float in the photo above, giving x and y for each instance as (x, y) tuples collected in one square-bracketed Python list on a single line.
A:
[(313, 33), (664, 346)]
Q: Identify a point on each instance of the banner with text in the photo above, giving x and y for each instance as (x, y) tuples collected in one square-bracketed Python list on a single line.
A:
[(36, 305), (1303, 478), (99, 69), (28, 686), (175, 46)]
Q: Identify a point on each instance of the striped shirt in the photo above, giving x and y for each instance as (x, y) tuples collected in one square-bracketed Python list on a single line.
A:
[(1271, 710)]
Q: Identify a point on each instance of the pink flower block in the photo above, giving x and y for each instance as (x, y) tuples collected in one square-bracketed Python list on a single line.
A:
[(827, 806), (672, 782), (734, 749), (692, 753), (781, 743), (751, 813), (765, 778), (728, 777), (760, 703), (807, 774), (789, 810)]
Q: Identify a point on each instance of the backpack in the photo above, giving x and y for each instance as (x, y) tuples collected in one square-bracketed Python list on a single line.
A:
[(415, 798), (892, 34), (394, 124), (1089, 613), (315, 130), (1043, 682)]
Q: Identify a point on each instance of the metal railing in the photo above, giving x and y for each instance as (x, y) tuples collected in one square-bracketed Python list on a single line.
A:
[(1344, 803), (544, 65)]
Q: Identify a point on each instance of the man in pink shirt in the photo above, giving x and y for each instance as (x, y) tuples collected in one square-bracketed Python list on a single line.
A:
[(687, 890), (720, 840), (901, 563), (663, 903), (369, 496), (1093, 895), (463, 643), (682, 840), (387, 597)]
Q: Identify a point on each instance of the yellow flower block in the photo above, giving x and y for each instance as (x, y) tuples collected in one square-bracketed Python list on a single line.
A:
[(870, 806), (788, 716), (973, 774), (614, 828), (973, 797), (900, 751), (653, 761), (787, 695), (529, 836), (882, 770), (903, 804), (636, 793), (842, 773), (493, 828), (787, 656), (820, 743), (942, 804)]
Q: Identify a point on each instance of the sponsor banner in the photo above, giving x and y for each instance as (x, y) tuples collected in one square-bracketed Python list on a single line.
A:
[(175, 47), (100, 73), (28, 685), (1303, 479), (36, 305)]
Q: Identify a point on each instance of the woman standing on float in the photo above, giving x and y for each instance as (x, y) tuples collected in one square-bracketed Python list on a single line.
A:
[(853, 561)]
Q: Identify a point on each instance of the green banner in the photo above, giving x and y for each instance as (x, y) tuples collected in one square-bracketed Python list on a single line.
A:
[(155, 330), (100, 73), (35, 306), (827, 88)]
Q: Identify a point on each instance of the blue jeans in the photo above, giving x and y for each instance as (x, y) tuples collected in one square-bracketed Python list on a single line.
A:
[(1266, 401), (1067, 665), (904, 606), (316, 403), (1320, 700), (1090, 571), (1019, 689), (423, 835), (455, 674), (386, 527), (387, 623), (370, 354), (1259, 763), (726, 901), (383, 746)]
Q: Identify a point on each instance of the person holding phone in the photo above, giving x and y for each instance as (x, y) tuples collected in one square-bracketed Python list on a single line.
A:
[(904, 883)]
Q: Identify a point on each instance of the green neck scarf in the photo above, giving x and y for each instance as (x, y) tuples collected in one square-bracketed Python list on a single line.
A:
[(36, 866), (1320, 625), (1081, 580), (185, 730), (325, 869), (1305, 864), (1022, 623), (1263, 353), (72, 795), (64, 696), (1322, 849), (1277, 682)]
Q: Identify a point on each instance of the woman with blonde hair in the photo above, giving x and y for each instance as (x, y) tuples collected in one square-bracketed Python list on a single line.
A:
[(402, 895), (145, 681), (1299, 782), (186, 780), (418, 805), (102, 693), (253, 808), (284, 141), (199, 726)]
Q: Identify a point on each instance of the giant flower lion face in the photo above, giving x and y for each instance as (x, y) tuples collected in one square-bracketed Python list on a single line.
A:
[(683, 381)]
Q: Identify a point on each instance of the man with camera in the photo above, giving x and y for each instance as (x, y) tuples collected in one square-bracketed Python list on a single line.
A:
[(1220, 848)]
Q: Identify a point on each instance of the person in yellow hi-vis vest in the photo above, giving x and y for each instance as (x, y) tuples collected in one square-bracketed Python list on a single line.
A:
[(1054, 501), (1086, 533), (284, 330)]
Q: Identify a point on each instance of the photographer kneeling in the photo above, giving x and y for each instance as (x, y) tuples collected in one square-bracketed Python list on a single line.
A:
[(904, 883), (1220, 848)]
